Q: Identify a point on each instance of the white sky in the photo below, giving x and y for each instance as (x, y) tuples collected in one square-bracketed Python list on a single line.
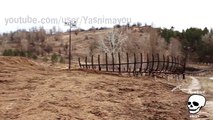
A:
[(181, 14)]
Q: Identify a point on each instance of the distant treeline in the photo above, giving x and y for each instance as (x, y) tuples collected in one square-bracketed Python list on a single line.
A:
[(196, 42)]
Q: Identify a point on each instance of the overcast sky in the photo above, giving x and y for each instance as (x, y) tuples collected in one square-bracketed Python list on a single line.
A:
[(181, 14)]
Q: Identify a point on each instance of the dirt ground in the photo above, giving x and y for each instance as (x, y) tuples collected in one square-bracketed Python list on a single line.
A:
[(206, 86), (30, 91)]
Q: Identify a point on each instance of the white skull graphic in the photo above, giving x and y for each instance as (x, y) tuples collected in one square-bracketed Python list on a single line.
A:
[(195, 103)]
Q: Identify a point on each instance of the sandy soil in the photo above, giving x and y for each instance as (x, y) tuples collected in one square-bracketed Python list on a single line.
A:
[(30, 91)]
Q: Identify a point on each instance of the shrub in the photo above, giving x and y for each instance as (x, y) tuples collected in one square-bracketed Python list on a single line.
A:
[(139, 24), (54, 58), (8, 52), (48, 49), (117, 26), (29, 54), (45, 59), (16, 53), (167, 34), (21, 53), (62, 60), (35, 57)]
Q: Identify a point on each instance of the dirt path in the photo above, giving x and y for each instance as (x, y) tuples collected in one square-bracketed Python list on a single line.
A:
[(196, 88), (195, 83)]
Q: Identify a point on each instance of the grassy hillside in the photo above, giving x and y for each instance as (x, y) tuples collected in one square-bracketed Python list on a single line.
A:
[(43, 45)]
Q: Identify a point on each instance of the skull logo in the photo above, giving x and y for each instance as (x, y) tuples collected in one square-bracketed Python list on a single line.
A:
[(195, 103)]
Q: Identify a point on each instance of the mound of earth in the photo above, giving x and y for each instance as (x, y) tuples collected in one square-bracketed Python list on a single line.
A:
[(17, 61), (51, 94)]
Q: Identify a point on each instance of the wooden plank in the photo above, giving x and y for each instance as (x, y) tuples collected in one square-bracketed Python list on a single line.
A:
[(106, 62), (134, 67), (175, 65), (179, 65), (86, 62), (184, 68), (141, 67), (158, 62), (92, 62), (170, 70), (164, 60), (79, 61), (153, 63), (99, 67), (147, 61), (113, 66), (167, 64), (127, 57), (119, 60)]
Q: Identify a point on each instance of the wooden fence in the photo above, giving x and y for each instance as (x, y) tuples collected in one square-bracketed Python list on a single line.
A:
[(201, 72), (147, 64)]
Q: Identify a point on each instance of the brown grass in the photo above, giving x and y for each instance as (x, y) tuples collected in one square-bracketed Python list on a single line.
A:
[(40, 92)]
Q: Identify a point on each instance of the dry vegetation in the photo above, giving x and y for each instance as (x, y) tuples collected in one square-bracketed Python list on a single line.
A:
[(43, 44), (32, 91), (135, 40)]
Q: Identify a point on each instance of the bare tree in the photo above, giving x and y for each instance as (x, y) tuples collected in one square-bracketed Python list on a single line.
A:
[(175, 47), (113, 41), (208, 38)]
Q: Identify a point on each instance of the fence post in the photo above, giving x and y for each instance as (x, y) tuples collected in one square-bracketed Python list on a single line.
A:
[(147, 63), (164, 60), (79, 61), (127, 57), (86, 62), (158, 61), (184, 68), (167, 64), (153, 63), (119, 60), (180, 66), (178, 63), (113, 67), (134, 68), (175, 65), (106, 62), (141, 68), (92, 62), (99, 67), (170, 70)]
